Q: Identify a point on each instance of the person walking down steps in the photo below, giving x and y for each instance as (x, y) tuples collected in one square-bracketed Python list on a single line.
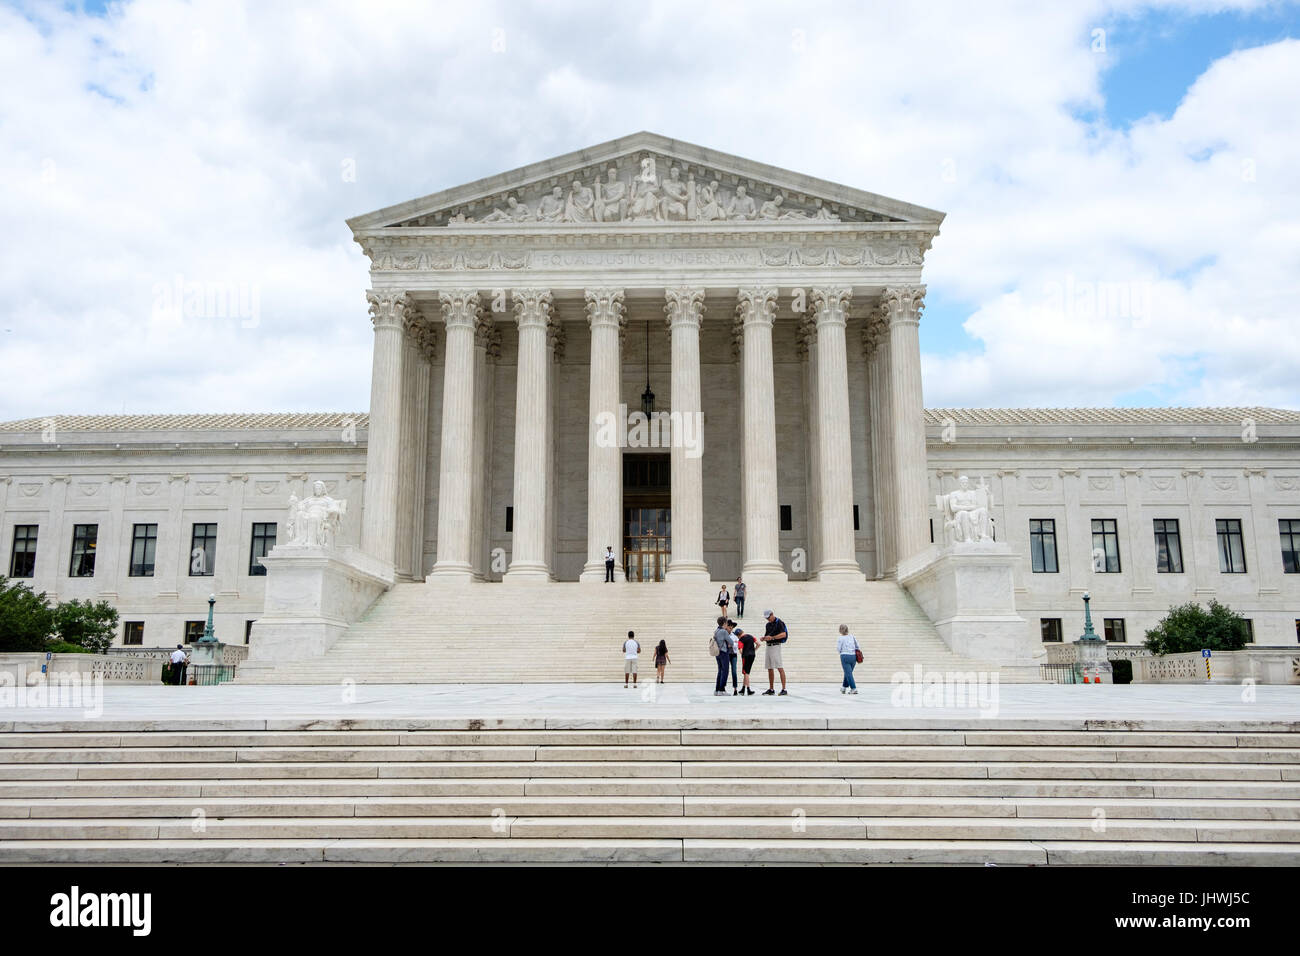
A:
[(723, 600), (738, 592)]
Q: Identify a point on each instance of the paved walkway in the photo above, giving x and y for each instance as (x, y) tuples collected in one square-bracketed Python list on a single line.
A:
[(1192, 705)]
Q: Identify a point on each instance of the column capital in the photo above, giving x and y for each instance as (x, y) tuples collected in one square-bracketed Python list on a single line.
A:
[(756, 305), (532, 307), (605, 307), (388, 309), (685, 306), (831, 305), (461, 308), (903, 303)]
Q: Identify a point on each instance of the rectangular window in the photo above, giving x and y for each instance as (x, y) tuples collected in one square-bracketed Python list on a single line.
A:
[(1169, 548), (263, 542), (22, 560), (1289, 529), (1105, 546), (1232, 555), (133, 633), (510, 519), (194, 630), (84, 539), (1051, 628), (1042, 545), (248, 630), (932, 531), (787, 518), (1250, 631), (1114, 630), (144, 542), (855, 517), (203, 550)]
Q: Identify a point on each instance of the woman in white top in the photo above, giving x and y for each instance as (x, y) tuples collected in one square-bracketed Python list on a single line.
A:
[(848, 648), (723, 600)]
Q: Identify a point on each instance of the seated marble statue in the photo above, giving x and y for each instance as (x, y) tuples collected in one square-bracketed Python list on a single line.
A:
[(551, 207), (770, 209), (314, 521), (518, 212), (741, 205), (580, 206), (966, 513)]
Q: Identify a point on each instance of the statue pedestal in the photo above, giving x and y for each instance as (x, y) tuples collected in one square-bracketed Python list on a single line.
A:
[(968, 591), (312, 595), (1093, 661)]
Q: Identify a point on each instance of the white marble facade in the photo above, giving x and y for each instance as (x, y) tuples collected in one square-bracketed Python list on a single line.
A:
[(791, 327)]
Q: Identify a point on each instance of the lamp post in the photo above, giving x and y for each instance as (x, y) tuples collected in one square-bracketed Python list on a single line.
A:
[(1090, 650), (209, 635)]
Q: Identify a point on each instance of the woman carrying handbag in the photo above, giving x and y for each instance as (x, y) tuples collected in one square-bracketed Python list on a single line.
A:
[(850, 656), (724, 599)]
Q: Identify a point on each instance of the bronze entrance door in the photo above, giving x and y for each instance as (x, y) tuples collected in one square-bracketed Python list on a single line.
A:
[(647, 517)]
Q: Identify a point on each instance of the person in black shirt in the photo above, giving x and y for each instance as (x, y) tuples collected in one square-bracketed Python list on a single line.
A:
[(748, 650), (774, 636)]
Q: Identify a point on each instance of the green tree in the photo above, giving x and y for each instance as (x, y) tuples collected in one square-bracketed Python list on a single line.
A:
[(26, 618), (90, 624), (1190, 627)]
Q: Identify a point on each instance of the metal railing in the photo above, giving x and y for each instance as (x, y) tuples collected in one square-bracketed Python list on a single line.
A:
[(206, 674), (1059, 673)]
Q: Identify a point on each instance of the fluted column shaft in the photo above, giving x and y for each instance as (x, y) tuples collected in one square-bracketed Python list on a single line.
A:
[(528, 559), (834, 441), (605, 315), (685, 310), (479, 490), (876, 344), (383, 447), (757, 311), (808, 344), (903, 307), (460, 311), (405, 532)]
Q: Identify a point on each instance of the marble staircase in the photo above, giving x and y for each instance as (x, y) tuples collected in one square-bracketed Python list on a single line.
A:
[(948, 791), (564, 632)]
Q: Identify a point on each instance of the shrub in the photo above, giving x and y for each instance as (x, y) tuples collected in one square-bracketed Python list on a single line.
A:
[(89, 624), (26, 618), (1190, 627), (63, 647)]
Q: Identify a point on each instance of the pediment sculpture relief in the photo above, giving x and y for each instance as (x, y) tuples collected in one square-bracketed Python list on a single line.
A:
[(639, 193)]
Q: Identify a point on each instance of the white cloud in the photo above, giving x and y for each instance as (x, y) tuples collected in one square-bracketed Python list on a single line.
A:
[(208, 141)]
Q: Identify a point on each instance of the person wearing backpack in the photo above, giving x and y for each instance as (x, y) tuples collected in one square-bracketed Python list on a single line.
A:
[(720, 648), (850, 656), (774, 637)]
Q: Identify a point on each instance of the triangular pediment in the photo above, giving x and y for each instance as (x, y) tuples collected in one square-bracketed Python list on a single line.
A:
[(644, 179)]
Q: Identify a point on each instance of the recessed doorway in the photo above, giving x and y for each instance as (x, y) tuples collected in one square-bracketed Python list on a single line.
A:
[(647, 516)]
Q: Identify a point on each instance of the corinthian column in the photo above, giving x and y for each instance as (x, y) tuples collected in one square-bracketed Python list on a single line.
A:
[(528, 558), (414, 428), (460, 313), (379, 533), (685, 310), (757, 311), (605, 315), (484, 332), (835, 449), (903, 309), (875, 345)]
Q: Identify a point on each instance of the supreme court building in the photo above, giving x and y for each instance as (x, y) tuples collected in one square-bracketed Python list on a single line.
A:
[(707, 364), (772, 316)]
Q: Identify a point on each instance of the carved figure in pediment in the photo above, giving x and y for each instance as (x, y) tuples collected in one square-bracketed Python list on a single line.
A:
[(580, 206), (707, 206), (771, 209), (741, 205), (611, 199), (517, 212), (677, 196), (824, 214), (551, 208), (644, 203)]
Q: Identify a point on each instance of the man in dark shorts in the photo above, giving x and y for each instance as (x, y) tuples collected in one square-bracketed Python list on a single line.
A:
[(774, 637), (748, 650)]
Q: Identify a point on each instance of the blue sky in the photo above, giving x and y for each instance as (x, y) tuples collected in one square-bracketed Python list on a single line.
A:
[(1156, 180), (1151, 59)]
